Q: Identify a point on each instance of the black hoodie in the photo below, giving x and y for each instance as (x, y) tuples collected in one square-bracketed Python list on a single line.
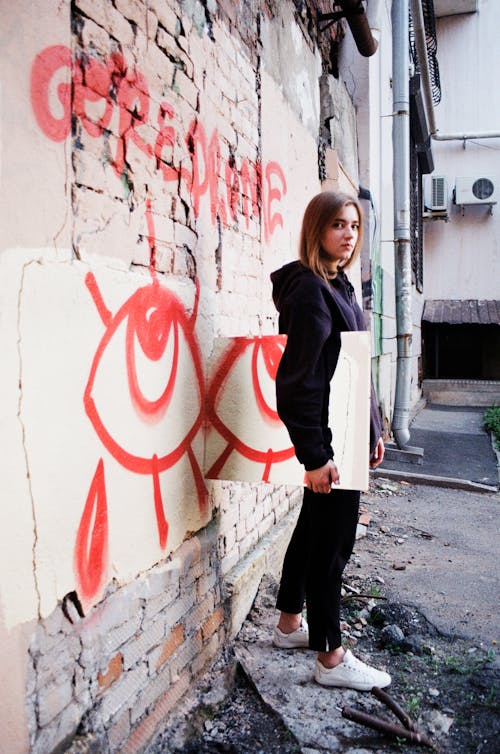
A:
[(313, 313)]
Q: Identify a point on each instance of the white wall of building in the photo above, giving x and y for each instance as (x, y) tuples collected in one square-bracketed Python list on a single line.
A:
[(462, 256)]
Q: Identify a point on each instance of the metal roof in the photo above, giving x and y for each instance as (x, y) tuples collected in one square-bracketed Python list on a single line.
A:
[(469, 311)]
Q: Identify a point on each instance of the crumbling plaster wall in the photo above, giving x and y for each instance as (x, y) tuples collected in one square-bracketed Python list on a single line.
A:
[(156, 158)]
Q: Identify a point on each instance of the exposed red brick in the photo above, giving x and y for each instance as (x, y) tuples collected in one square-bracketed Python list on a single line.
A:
[(171, 644), (212, 623), (112, 674)]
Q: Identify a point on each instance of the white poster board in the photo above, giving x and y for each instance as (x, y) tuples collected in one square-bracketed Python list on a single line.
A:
[(246, 440)]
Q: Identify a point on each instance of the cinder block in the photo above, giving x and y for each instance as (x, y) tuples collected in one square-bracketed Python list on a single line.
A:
[(53, 700), (118, 636), (124, 692), (265, 525), (212, 623), (115, 612), (198, 613), (185, 88), (248, 542), (168, 43), (95, 36), (137, 11), (178, 609), (156, 604), (184, 236), (196, 570), (185, 655), (63, 728), (187, 554), (149, 637), (241, 530), (168, 647), (209, 652), (147, 728), (105, 14), (158, 70), (58, 656), (166, 16), (150, 693), (118, 731), (206, 582)]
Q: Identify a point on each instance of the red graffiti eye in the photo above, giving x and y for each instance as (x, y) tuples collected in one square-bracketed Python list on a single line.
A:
[(246, 422), (152, 324), (141, 413), (265, 361), (146, 413)]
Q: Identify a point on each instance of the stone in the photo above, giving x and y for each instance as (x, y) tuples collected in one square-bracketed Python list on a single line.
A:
[(437, 723), (391, 636)]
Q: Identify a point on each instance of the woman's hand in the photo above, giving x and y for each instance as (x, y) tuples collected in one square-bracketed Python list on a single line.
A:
[(322, 479), (378, 455)]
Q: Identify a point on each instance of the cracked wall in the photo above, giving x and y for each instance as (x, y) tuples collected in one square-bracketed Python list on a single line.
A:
[(156, 158)]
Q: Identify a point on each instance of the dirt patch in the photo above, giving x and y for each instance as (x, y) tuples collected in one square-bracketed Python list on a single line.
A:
[(239, 724)]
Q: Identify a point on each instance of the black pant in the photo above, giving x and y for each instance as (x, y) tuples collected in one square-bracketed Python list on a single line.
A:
[(319, 549)]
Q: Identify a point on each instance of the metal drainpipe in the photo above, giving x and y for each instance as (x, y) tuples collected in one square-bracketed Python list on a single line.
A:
[(423, 61), (402, 251)]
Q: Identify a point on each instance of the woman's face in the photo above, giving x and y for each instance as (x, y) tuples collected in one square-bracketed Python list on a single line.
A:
[(340, 237)]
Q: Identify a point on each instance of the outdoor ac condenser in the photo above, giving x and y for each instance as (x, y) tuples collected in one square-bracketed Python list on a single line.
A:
[(436, 193), (476, 190)]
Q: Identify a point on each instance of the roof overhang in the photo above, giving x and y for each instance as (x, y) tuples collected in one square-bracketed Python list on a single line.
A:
[(467, 312)]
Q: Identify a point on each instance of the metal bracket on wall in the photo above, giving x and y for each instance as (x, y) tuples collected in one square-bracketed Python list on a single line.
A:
[(335, 16), (354, 12)]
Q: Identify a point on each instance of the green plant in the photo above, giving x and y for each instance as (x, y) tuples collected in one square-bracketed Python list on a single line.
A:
[(491, 700), (375, 591), (456, 665), (491, 422), (414, 704), (490, 655), (468, 663)]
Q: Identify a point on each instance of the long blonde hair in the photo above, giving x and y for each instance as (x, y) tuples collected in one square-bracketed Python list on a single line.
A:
[(320, 212)]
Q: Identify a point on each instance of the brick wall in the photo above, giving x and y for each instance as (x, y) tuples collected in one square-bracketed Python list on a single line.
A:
[(113, 676)]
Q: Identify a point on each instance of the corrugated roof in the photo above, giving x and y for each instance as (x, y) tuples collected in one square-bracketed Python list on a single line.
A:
[(470, 311)]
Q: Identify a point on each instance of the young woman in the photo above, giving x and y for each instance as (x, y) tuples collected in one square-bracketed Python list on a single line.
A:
[(316, 302)]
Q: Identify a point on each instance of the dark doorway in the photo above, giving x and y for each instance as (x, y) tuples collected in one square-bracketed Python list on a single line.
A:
[(466, 352)]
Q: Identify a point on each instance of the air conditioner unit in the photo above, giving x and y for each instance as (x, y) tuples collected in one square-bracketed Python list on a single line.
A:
[(436, 193), (476, 190)]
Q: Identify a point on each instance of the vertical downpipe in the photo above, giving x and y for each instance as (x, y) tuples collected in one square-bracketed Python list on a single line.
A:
[(402, 251)]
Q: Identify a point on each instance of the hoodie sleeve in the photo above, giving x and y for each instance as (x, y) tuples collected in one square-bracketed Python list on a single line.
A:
[(302, 382)]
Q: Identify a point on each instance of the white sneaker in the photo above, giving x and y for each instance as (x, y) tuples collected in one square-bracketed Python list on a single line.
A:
[(351, 674), (294, 640)]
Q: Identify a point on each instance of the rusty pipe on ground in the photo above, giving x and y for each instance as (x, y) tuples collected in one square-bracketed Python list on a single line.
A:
[(376, 723), (394, 707)]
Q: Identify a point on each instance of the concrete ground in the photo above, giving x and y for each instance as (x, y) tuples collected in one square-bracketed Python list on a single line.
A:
[(428, 548), (455, 446)]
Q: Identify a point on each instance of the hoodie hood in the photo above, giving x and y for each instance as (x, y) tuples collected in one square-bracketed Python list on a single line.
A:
[(286, 280), (294, 282)]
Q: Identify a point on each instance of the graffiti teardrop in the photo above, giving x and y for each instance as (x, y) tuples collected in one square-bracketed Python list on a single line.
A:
[(91, 545)]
